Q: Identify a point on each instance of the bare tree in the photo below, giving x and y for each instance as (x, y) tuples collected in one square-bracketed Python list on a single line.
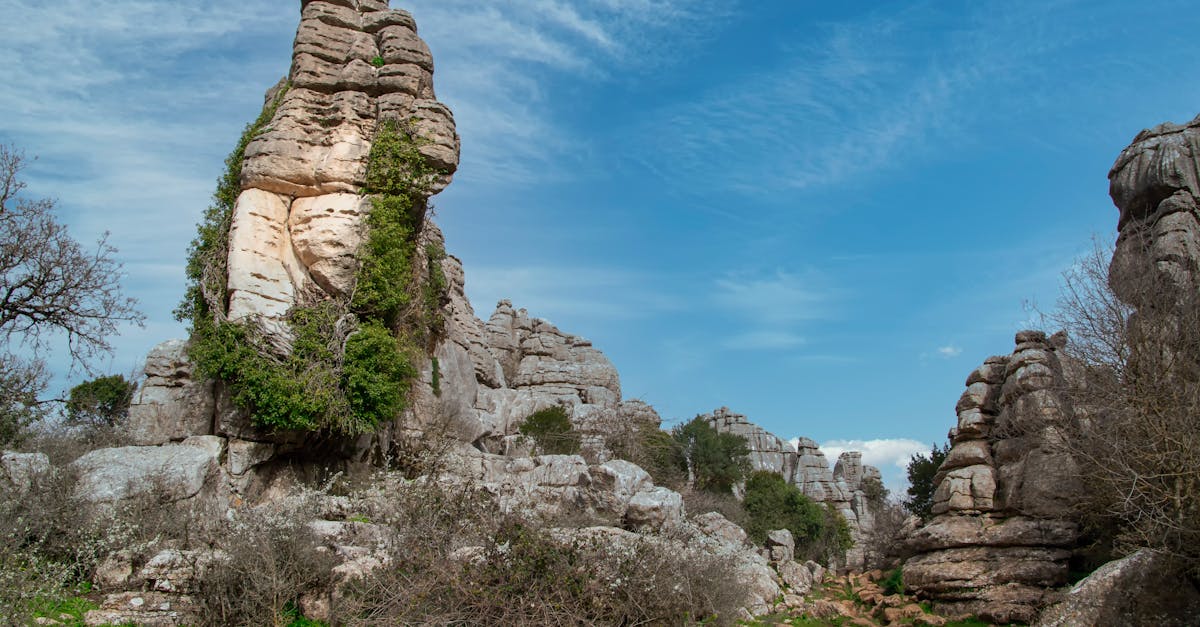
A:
[(1133, 366), (49, 285)]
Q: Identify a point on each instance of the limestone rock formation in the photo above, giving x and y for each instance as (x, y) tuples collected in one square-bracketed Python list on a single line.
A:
[(806, 467), (1155, 185), (299, 219), (1002, 533), (172, 404)]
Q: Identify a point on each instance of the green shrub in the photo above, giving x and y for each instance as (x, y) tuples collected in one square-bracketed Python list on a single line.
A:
[(551, 431), (772, 503), (103, 401), (715, 461)]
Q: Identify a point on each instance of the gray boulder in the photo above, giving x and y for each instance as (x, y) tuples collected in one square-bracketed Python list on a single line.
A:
[(1141, 590), (179, 470), (19, 470)]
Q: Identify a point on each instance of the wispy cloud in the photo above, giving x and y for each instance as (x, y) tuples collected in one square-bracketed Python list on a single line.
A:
[(495, 60), (596, 294), (873, 92), (770, 309), (950, 351)]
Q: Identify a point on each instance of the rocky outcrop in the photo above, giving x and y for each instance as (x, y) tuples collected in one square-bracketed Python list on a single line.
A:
[(1001, 534), (1155, 184), (493, 375), (299, 219), (806, 467), (172, 403)]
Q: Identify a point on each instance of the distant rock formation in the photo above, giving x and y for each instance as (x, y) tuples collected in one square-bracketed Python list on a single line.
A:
[(1002, 533), (805, 467)]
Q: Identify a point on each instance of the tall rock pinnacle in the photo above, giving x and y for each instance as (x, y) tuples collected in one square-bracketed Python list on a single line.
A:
[(298, 222)]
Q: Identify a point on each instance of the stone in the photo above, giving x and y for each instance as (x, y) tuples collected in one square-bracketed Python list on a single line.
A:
[(113, 474), (299, 219), (245, 455), (263, 268), (171, 404), (21, 470), (1000, 538), (798, 579), (1155, 186), (145, 609), (1141, 590), (326, 232), (178, 572), (114, 571), (716, 526), (655, 508), (781, 546)]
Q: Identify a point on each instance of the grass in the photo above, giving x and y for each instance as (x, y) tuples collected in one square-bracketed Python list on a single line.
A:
[(60, 609)]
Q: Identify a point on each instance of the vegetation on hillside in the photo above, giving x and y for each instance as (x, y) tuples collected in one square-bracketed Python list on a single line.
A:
[(820, 531), (551, 431)]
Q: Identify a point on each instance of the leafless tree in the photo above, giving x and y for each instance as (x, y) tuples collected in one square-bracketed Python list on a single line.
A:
[(50, 285), (1133, 366)]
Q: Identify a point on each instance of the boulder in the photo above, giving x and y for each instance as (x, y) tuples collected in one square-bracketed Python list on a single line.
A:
[(781, 547), (19, 471), (1144, 589), (113, 474), (655, 508)]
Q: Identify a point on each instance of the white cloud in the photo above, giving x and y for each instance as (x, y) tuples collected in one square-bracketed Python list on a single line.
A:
[(949, 351), (856, 97), (493, 62), (889, 455), (779, 298)]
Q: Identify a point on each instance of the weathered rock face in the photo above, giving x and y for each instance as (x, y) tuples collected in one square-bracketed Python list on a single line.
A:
[(171, 404), (1001, 534), (1155, 185), (805, 467), (494, 374), (1141, 590), (299, 220)]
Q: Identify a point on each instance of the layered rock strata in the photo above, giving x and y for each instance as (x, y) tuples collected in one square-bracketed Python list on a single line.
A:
[(806, 467), (1001, 534), (298, 221), (1155, 183)]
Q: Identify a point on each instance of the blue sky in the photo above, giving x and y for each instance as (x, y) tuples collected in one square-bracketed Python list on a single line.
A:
[(822, 215)]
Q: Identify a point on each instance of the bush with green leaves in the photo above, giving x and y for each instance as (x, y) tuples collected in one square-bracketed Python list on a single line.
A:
[(820, 532), (352, 361), (100, 402), (921, 471), (551, 431), (714, 461)]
